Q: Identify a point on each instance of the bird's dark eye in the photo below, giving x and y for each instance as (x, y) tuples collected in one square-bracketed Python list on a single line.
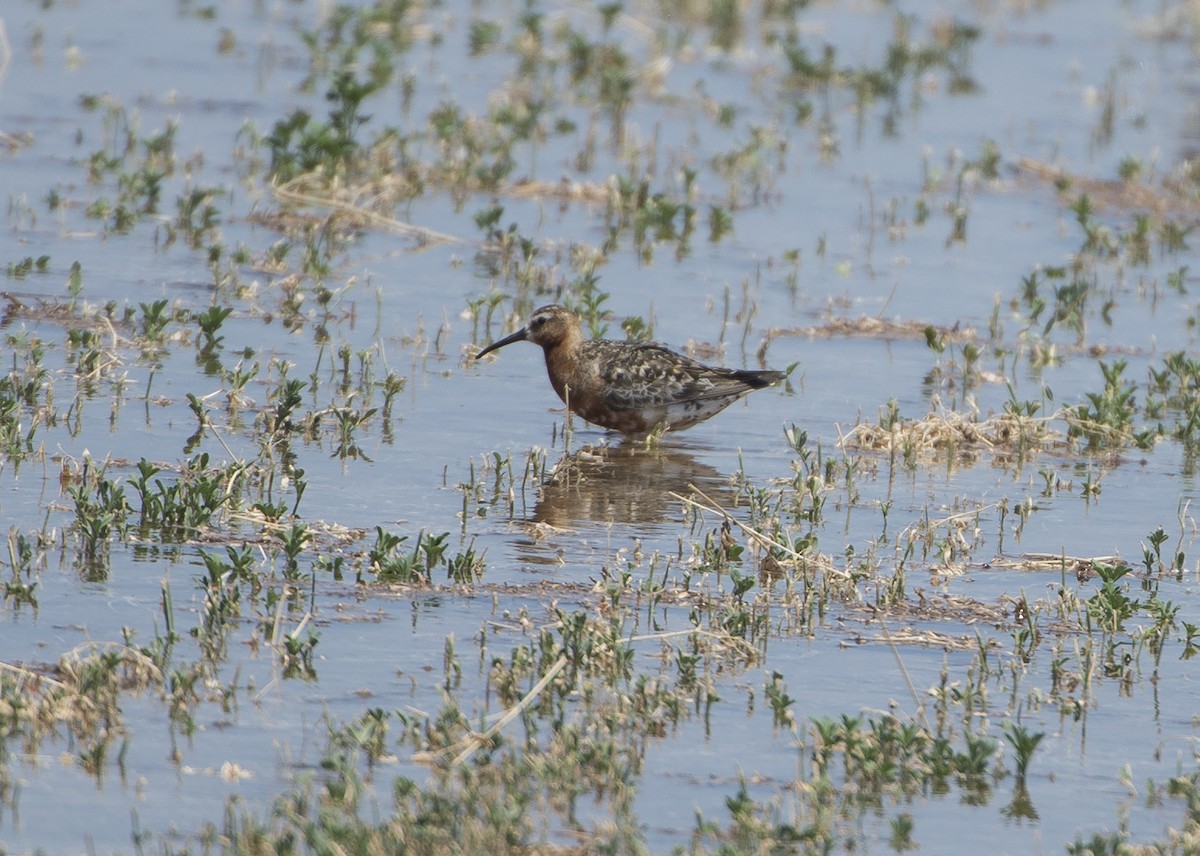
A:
[(537, 321)]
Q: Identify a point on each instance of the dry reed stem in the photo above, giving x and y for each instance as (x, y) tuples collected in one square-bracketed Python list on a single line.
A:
[(32, 675), (871, 327), (1053, 562), (132, 655), (567, 191), (903, 671), (287, 193), (477, 740), (1116, 193), (5, 55), (770, 541), (474, 741), (943, 430), (715, 508)]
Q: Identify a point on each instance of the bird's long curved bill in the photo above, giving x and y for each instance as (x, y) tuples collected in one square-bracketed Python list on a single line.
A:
[(519, 336)]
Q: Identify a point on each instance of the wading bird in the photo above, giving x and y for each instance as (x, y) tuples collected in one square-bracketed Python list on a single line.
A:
[(630, 387)]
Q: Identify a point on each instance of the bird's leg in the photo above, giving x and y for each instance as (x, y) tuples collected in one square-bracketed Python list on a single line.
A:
[(568, 427)]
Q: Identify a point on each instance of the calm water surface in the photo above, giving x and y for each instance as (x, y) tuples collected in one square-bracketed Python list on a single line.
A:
[(1042, 75)]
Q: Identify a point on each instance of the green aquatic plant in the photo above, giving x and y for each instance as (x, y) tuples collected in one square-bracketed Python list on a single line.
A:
[(1111, 606), (24, 267), (179, 507), (300, 144), (1024, 744), (210, 322), (1106, 420)]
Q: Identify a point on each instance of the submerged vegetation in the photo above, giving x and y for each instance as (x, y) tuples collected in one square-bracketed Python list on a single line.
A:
[(440, 643)]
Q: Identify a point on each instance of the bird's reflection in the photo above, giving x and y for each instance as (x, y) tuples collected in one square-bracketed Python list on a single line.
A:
[(627, 484)]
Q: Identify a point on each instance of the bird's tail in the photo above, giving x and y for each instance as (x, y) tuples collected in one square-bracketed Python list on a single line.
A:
[(757, 379)]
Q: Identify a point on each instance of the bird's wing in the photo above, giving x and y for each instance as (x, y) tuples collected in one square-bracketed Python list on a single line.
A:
[(651, 375)]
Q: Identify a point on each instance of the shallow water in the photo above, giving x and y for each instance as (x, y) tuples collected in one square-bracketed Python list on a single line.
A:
[(1041, 75)]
